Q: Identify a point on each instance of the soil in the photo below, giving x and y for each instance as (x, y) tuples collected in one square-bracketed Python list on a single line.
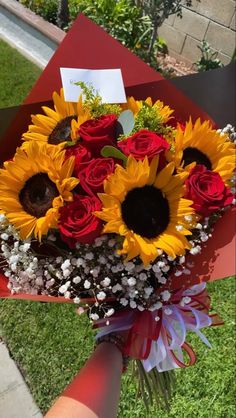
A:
[(173, 66)]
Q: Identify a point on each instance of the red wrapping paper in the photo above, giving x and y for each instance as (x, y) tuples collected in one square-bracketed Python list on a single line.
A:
[(99, 50)]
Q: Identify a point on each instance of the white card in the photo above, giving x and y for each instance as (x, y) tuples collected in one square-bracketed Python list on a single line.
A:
[(108, 83)]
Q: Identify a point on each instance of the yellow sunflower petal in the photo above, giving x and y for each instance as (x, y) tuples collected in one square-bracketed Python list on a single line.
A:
[(164, 176), (204, 139), (136, 175), (153, 170), (36, 158), (51, 113)]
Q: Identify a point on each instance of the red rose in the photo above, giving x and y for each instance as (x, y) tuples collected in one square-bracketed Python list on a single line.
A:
[(94, 174), (143, 143), (77, 222), (81, 154), (99, 132), (207, 190)]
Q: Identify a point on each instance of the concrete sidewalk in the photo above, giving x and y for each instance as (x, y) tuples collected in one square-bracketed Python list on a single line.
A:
[(15, 398), (35, 38)]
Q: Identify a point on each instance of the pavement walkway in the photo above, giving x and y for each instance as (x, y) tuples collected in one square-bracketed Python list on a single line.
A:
[(15, 398), (35, 38)]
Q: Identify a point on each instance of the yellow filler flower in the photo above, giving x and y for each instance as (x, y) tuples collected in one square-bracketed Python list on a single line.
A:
[(163, 112), (34, 185), (58, 125), (201, 144), (147, 208)]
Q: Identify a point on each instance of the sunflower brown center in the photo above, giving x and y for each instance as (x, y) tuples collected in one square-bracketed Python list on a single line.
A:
[(146, 211), (37, 195), (62, 131), (191, 155)]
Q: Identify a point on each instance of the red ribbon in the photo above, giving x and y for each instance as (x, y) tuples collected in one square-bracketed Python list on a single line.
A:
[(144, 330)]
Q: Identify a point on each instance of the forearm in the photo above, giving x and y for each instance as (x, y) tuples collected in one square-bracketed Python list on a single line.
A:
[(94, 393)]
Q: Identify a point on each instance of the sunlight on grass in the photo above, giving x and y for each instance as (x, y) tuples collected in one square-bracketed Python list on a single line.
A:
[(51, 343), (17, 76)]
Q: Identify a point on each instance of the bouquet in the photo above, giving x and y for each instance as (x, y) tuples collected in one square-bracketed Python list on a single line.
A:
[(106, 206)]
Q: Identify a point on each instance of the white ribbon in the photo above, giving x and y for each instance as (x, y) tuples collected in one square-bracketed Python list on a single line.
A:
[(175, 325)]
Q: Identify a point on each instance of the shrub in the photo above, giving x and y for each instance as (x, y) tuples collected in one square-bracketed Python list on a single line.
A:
[(120, 18), (208, 60), (46, 9)]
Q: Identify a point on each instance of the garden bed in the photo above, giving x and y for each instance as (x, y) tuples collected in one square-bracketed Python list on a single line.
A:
[(168, 65)]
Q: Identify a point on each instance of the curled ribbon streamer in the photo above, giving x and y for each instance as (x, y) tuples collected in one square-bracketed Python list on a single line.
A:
[(161, 343)]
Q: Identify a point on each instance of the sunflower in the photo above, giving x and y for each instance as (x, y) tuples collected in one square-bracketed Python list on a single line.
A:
[(163, 112), (201, 144), (58, 125), (34, 185), (147, 209)]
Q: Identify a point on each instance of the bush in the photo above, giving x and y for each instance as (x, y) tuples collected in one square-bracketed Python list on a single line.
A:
[(208, 60), (120, 18), (46, 9)]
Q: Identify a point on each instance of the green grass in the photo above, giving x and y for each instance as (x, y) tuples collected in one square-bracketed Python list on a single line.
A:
[(17, 76), (50, 343)]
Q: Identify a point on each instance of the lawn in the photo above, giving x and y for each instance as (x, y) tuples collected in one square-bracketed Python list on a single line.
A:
[(17, 76), (50, 343)]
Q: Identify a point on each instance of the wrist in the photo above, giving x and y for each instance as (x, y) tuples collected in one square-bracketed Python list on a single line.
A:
[(118, 341)]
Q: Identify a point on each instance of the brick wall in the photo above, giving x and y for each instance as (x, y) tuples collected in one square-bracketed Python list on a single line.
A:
[(212, 20)]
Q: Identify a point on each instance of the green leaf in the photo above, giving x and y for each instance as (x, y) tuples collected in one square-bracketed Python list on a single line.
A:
[(70, 144), (109, 151), (126, 122)]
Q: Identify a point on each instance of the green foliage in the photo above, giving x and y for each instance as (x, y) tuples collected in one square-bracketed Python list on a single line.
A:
[(147, 118), (120, 18), (134, 23), (109, 151), (208, 60), (161, 45), (93, 101), (46, 9)]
